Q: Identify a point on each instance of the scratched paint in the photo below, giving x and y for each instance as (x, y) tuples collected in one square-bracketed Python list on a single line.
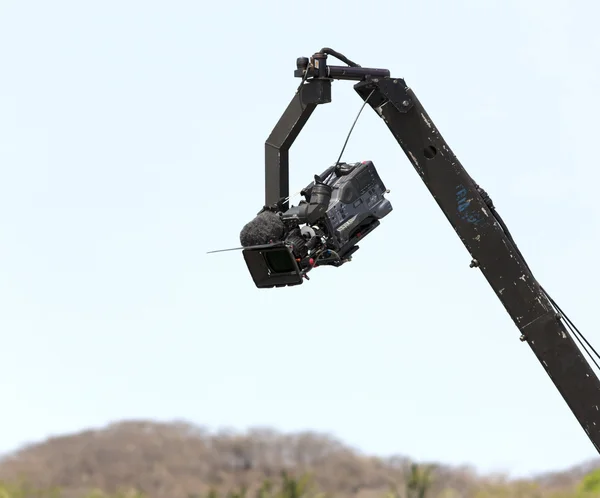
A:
[(427, 122)]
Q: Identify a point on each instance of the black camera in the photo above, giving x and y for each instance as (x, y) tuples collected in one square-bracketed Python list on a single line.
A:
[(340, 207)]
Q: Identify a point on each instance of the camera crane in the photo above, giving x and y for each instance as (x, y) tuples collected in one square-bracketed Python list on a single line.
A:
[(469, 209)]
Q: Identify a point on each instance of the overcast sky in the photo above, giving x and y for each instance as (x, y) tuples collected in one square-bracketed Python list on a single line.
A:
[(132, 142)]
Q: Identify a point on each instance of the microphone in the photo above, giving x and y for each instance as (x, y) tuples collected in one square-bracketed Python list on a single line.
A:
[(265, 228)]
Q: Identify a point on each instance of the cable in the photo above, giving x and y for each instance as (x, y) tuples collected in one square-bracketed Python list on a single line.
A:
[(304, 78), (350, 132), (575, 331), (337, 55), (570, 326), (343, 58)]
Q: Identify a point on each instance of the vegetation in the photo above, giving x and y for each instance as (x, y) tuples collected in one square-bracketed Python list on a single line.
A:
[(152, 460)]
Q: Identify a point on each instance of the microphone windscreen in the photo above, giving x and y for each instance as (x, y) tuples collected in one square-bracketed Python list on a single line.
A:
[(265, 228)]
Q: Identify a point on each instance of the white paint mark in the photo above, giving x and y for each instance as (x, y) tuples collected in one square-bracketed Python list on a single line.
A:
[(414, 159), (426, 120), (380, 108), (522, 277), (485, 212), (501, 291), (478, 238)]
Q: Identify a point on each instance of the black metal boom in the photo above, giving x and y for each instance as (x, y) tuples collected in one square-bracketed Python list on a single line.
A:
[(466, 206)]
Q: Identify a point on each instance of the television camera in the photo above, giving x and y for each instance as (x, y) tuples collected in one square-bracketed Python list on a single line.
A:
[(342, 206)]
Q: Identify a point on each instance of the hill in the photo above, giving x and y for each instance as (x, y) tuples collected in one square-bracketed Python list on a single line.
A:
[(179, 460)]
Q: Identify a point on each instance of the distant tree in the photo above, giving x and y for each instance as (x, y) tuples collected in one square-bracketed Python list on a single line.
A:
[(179, 460), (419, 480)]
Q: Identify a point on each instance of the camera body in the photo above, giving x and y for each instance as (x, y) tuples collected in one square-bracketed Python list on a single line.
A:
[(340, 207)]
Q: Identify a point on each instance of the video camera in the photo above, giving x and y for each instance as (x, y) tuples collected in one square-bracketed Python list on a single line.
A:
[(340, 207)]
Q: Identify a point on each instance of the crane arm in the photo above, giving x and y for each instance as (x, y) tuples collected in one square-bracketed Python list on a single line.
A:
[(467, 207), (473, 216)]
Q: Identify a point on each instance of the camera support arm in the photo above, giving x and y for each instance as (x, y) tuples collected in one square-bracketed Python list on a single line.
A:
[(277, 146), (314, 90), (467, 207)]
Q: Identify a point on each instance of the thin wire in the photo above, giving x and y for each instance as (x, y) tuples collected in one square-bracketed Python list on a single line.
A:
[(343, 58), (225, 250), (573, 327), (578, 337), (290, 196), (345, 142), (352, 128), (304, 78), (570, 326)]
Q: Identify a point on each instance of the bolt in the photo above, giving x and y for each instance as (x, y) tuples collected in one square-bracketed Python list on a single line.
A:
[(474, 263), (406, 103), (522, 338)]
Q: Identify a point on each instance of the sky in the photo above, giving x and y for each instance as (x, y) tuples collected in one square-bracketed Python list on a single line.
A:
[(132, 142)]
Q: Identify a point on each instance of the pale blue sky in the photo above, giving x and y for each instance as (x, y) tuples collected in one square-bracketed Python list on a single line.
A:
[(131, 142)]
